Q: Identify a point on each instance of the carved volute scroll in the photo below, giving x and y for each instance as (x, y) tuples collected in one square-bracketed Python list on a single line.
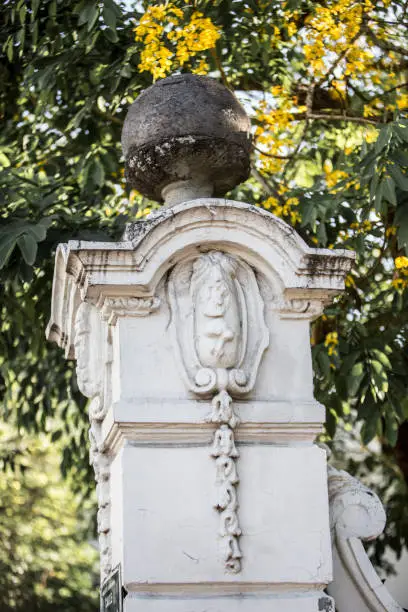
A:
[(92, 345), (356, 513), (220, 336)]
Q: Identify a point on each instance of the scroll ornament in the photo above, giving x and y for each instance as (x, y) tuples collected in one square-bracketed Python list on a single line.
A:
[(215, 300), (92, 368)]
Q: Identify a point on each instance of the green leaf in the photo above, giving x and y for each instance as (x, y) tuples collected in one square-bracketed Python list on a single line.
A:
[(399, 157), (378, 201), (323, 362), (111, 35), (383, 138), (98, 172), (4, 160), (7, 244), (370, 426), (355, 378), (389, 190), (9, 48), (109, 17), (402, 132), (401, 221), (321, 234), (400, 179), (373, 186), (391, 427), (28, 247), (382, 358), (89, 14), (35, 4), (22, 14)]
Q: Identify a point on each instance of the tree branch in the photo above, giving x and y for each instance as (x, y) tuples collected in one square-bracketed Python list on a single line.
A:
[(386, 46), (329, 117), (338, 60), (271, 154)]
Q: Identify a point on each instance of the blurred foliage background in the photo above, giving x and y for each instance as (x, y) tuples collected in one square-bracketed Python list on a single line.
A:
[(326, 85)]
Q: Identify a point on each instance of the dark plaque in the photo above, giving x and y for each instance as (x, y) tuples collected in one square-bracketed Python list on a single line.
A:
[(111, 592)]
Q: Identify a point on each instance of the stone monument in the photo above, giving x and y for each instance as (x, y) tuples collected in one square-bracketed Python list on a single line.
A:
[(191, 337)]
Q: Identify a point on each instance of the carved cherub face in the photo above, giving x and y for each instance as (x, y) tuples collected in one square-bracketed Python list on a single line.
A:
[(216, 311), (215, 293)]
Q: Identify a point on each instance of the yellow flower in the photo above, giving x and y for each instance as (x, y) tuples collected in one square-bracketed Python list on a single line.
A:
[(201, 68), (133, 195), (349, 281), (402, 101), (401, 262), (331, 338), (399, 284), (167, 44), (332, 178), (331, 341), (292, 28), (143, 212), (285, 210), (371, 135)]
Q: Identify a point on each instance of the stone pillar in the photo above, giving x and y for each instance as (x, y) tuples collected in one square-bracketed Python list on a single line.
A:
[(192, 340)]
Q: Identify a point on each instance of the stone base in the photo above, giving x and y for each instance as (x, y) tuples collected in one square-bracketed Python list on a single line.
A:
[(242, 602)]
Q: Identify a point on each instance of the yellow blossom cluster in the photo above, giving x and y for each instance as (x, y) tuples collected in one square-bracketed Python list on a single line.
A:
[(400, 280), (390, 231), (363, 227), (276, 132), (335, 29), (401, 263), (285, 209), (169, 44), (399, 283), (402, 102), (349, 281), (331, 341), (333, 177)]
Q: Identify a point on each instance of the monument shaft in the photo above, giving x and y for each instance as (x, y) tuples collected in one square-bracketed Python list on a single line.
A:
[(191, 337)]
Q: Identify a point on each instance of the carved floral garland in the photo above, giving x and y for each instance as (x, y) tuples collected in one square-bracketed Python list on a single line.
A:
[(225, 453)]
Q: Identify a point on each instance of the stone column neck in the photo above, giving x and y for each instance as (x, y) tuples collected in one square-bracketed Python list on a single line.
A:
[(184, 191)]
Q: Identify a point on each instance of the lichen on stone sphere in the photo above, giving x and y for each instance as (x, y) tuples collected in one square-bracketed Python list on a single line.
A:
[(187, 130)]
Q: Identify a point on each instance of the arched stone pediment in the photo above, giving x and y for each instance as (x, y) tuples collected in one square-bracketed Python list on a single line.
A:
[(135, 266)]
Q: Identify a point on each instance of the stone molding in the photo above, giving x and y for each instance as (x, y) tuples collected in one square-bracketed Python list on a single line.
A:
[(202, 434)]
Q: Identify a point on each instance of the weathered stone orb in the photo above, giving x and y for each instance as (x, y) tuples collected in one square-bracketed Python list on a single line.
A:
[(185, 137)]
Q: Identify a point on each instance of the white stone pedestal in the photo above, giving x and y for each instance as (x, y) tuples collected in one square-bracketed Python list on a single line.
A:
[(192, 338)]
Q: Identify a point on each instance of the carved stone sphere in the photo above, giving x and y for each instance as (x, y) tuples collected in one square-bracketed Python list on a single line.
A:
[(186, 132)]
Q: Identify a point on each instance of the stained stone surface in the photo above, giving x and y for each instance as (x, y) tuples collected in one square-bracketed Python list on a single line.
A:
[(189, 130), (192, 342)]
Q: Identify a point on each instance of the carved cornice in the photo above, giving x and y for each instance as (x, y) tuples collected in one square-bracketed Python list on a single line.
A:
[(300, 309), (202, 434), (113, 307)]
